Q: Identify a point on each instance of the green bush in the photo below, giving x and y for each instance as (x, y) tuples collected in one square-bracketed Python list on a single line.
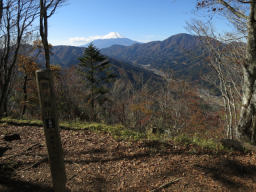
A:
[(195, 140)]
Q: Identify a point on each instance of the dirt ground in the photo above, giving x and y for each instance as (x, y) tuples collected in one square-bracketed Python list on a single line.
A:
[(97, 162)]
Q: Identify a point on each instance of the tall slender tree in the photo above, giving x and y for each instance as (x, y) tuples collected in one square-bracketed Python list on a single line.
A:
[(27, 66), (47, 9), (1, 11), (16, 17), (96, 70), (242, 12), (224, 57), (49, 114)]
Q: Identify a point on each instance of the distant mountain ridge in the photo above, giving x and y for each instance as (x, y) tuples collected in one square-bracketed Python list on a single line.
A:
[(176, 52), (67, 56), (112, 38), (105, 43), (183, 55)]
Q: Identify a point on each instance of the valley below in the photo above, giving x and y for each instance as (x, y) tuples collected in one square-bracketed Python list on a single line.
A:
[(127, 96)]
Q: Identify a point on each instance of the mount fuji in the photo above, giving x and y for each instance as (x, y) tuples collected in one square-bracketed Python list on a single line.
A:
[(112, 38)]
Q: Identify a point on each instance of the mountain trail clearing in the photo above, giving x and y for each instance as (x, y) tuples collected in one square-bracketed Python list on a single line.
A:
[(96, 162)]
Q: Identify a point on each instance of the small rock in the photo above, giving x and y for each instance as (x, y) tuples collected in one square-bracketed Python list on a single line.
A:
[(232, 144), (12, 137), (3, 150)]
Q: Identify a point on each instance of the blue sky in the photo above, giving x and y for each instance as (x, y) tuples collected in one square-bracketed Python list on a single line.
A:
[(141, 20)]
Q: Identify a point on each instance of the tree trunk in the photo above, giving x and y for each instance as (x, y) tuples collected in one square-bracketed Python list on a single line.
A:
[(93, 105), (44, 33), (48, 105), (25, 95), (247, 123), (2, 110), (3, 107), (1, 11), (4, 99)]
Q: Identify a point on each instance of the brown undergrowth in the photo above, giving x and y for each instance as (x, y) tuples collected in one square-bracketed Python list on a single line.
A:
[(95, 161)]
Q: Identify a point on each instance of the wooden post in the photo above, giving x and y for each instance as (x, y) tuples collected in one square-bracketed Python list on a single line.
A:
[(51, 128)]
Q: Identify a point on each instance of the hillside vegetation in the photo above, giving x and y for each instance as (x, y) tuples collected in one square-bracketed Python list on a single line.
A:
[(118, 115)]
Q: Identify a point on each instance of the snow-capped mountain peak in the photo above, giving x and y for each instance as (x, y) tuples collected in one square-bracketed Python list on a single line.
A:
[(112, 35), (112, 38)]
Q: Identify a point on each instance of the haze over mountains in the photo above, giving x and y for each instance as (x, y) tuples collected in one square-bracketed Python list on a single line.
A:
[(112, 38), (175, 51), (182, 53)]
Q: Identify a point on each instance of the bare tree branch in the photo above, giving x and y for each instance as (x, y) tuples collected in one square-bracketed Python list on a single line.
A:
[(241, 1), (232, 9), (17, 17), (45, 7)]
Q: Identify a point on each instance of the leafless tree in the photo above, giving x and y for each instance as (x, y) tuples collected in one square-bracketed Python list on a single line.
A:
[(241, 12), (16, 17), (1, 11), (47, 9), (224, 56)]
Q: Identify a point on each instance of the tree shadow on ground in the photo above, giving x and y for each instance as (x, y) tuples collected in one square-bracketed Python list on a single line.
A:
[(105, 160), (8, 184), (91, 151), (152, 148), (171, 148), (99, 183), (229, 172), (11, 185)]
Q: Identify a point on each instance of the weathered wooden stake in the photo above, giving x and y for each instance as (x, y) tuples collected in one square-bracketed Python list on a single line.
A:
[(51, 128)]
